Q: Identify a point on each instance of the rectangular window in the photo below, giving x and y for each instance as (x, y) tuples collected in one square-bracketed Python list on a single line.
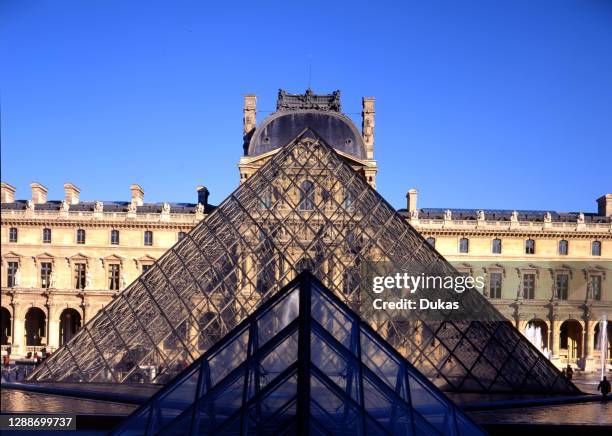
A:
[(497, 246), (80, 236), (596, 248), (562, 286), (13, 234), (529, 286), (45, 274), (563, 247), (596, 287), (11, 274), (46, 236), (529, 246), (146, 268), (80, 274), (114, 276), (114, 237), (464, 245), (495, 285), (148, 237)]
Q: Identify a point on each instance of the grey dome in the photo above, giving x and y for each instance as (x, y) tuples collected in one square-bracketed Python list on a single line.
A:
[(335, 129)]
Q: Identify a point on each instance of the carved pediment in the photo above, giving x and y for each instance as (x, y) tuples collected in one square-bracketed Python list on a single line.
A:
[(78, 258)]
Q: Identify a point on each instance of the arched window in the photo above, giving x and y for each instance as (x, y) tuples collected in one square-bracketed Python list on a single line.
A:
[(114, 237), (464, 245), (431, 241), (148, 237), (46, 236), (529, 246), (563, 247), (496, 246), (307, 192), (596, 248), (80, 236)]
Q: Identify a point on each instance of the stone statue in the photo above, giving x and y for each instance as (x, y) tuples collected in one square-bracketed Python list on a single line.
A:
[(132, 207), (123, 281), (65, 206), (448, 215), (200, 208), (580, 218), (30, 206), (514, 216), (414, 214), (99, 206), (17, 278), (481, 215), (88, 280), (166, 208), (52, 280), (547, 217)]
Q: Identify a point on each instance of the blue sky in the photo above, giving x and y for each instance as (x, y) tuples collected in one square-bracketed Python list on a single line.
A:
[(504, 104)]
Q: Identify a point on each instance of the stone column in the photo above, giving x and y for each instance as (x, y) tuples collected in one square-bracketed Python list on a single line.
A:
[(555, 329), (54, 326), (18, 347), (587, 342)]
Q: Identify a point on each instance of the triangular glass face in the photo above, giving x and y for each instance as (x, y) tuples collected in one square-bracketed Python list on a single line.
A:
[(309, 362), (306, 208)]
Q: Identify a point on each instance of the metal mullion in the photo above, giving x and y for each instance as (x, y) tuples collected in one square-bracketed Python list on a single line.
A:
[(127, 349), (163, 316), (189, 312), (303, 361), (323, 378)]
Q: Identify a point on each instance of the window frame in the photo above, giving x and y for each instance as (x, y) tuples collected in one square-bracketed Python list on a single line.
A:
[(114, 281), (500, 282), (148, 238), (45, 274), (47, 235), (529, 293), (558, 290), (11, 274), (13, 239), (565, 244), (598, 251), (530, 246), (79, 233), (80, 280), (113, 233), (467, 245), (307, 196), (493, 245)]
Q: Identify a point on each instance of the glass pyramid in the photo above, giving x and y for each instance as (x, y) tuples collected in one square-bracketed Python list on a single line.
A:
[(306, 208), (303, 360)]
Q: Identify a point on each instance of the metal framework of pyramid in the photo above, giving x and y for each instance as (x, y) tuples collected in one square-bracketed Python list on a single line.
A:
[(306, 208), (302, 363)]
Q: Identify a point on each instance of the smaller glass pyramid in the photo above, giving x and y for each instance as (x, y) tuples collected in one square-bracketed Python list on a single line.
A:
[(302, 363)]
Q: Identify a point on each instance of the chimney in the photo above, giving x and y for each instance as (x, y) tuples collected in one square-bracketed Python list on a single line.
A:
[(8, 193), (604, 205), (71, 193), (412, 200), (367, 125), (39, 193), (137, 195), (202, 195), (249, 119)]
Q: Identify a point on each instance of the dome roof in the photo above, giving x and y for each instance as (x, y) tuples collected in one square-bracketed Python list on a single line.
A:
[(281, 127)]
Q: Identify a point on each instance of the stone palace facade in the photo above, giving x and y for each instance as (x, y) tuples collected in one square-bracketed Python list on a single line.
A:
[(63, 260)]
